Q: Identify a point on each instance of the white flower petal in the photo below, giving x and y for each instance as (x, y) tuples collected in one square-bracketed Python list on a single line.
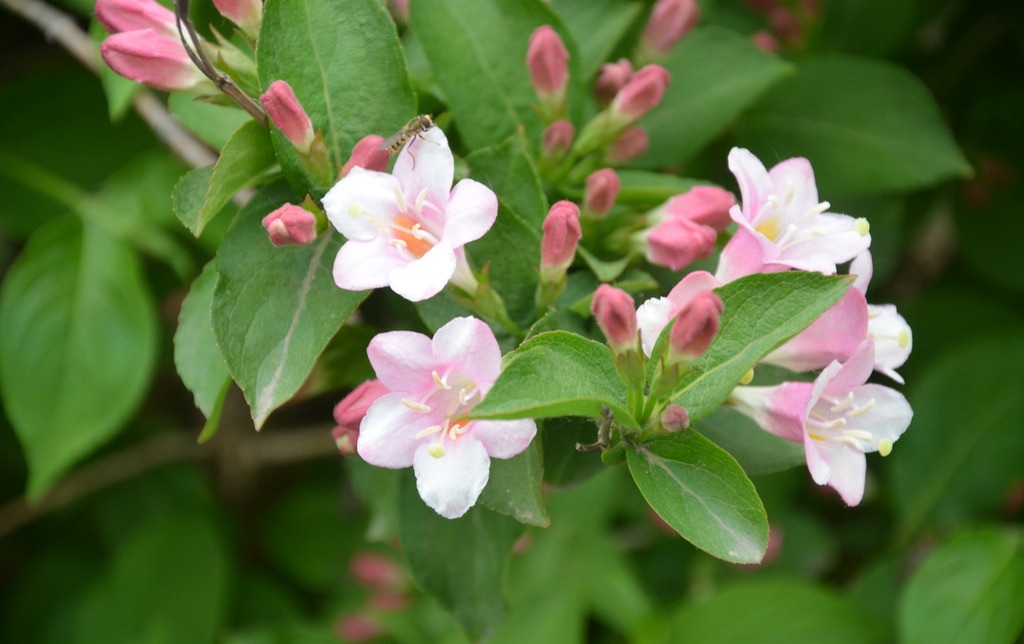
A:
[(651, 318), (403, 361), (469, 345), (361, 203), (426, 162), (363, 265), (387, 433), (472, 210), (452, 483), (424, 277), (505, 438)]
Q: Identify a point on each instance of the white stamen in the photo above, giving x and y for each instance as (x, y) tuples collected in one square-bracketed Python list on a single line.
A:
[(433, 429), (439, 381), (861, 410), (416, 406)]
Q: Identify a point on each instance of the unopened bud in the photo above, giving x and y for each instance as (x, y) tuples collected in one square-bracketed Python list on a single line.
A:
[(640, 95), (676, 243), (368, 154), (670, 20), (611, 78), (705, 205), (557, 138), (600, 191), (765, 41), (376, 572), (145, 56), (696, 326), (629, 145), (287, 115), (247, 14), (675, 418), (613, 310), (561, 236), (131, 15), (350, 411), (290, 225), (548, 62)]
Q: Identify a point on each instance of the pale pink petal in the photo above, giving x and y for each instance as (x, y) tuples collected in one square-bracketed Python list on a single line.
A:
[(426, 162), (794, 178), (742, 256), (755, 184), (472, 210), (833, 336), (361, 203), (403, 361), (854, 372), (469, 345), (835, 239), (387, 434), (691, 285), (863, 268), (505, 438), (779, 410), (363, 265), (817, 462), (847, 468), (424, 277), (452, 483)]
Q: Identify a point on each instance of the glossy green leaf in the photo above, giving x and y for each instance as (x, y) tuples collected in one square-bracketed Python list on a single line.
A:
[(148, 596), (867, 126), (458, 561), (716, 74), (275, 309), (777, 611), (966, 421), (598, 26), (479, 46), (508, 169), (212, 123), (202, 192), (761, 312), (556, 374), (196, 356), (968, 590), (701, 492), (513, 487), (346, 67), (77, 345)]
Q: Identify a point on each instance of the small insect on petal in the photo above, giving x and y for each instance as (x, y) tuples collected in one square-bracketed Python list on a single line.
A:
[(415, 127)]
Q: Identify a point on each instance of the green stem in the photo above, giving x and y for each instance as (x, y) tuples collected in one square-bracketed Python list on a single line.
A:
[(43, 181)]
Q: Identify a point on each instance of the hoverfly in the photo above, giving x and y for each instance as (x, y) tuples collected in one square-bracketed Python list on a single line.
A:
[(415, 127)]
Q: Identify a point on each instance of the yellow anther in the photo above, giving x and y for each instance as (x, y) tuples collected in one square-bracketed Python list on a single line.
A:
[(885, 447), (748, 377), (903, 338), (862, 226), (436, 450)]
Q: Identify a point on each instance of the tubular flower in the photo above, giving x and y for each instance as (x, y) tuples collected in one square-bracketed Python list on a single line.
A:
[(838, 418), (433, 385), (406, 230), (782, 223)]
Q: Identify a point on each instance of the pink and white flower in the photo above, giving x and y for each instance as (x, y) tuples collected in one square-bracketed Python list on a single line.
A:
[(835, 335), (838, 418), (434, 384), (407, 229), (782, 224), (886, 327), (655, 314)]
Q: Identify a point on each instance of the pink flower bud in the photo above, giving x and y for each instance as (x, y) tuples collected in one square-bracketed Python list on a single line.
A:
[(675, 418), (677, 242), (146, 57), (350, 411), (615, 315), (131, 15), (287, 114), (356, 627), (641, 94), (612, 78), (630, 144), (290, 225), (670, 20), (376, 571), (705, 205), (696, 326), (562, 233), (548, 61), (600, 192), (247, 14), (557, 138), (368, 154), (766, 41)]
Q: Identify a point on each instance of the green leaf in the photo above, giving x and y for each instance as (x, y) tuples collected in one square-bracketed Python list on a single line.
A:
[(508, 169), (196, 356), (867, 126), (77, 345), (212, 123), (761, 312), (757, 451), (556, 374), (460, 562), (346, 67), (564, 465), (773, 612), (478, 48), (702, 492), (275, 309), (644, 189), (246, 156), (961, 455), (968, 590), (148, 596), (598, 26), (513, 487), (716, 74)]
